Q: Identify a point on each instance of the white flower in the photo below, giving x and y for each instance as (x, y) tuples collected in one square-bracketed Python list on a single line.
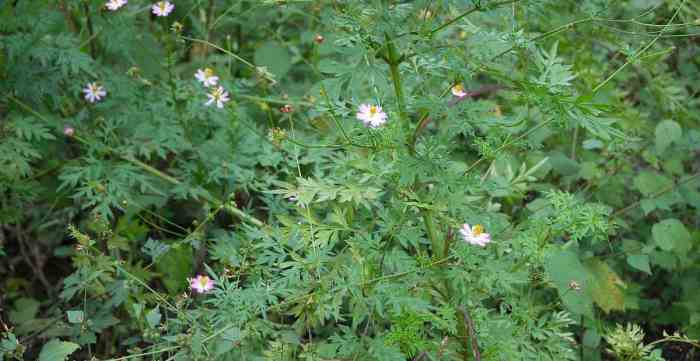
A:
[(206, 77), (162, 8), (114, 5), (458, 91), (218, 95), (371, 115), (475, 235), (94, 92)]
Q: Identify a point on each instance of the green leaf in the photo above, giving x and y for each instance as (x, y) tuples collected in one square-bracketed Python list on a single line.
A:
[(562, 269), (175, 266), (639, 262), (591, 338), (649, 183), (563, 164), (57, 350), (274, 57), (671, 235), (153, 317), (666, 133), (24, 310), (75, 316), (607, 287)]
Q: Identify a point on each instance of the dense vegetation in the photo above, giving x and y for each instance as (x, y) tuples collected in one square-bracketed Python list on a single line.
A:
[(349, 180)]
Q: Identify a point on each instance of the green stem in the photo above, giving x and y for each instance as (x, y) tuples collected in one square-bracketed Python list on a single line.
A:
[(394, 60), (639, 53), (432, 235), (91, 30)]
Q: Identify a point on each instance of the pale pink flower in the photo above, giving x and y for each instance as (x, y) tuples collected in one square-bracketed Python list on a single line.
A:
[(114, 5), (162, 8), (201, 284), (475, 235), (371, 115), (94, 92), (218, 95), (206, 77), (458, 91), (68, 131)]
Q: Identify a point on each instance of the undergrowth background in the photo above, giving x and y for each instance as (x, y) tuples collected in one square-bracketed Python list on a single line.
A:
[(576, 146)]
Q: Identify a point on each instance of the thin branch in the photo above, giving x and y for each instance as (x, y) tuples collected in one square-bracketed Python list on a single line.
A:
[(467, 13), (655, 195), (640, 52)]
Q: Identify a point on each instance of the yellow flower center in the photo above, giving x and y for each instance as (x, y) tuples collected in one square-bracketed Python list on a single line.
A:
[(161, 5), (373, 109), (203, 281), (477, 229), (458, 88), (208, 72)]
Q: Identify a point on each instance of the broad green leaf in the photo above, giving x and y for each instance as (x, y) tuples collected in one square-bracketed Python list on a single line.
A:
[(57, 350), (275, 57), (563, 269), (666, 133), (639, 262), (607, 286), (649, 183), (153, 317), (563, 164), (175, 266), (591, 338), (24, 310), (671, 235), (592, 144), (75, 316)]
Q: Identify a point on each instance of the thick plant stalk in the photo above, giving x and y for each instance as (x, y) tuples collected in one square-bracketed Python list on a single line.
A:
[(394, 60)]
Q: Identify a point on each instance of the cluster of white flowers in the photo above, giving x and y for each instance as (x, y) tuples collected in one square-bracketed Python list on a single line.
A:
[(161, 8), (218, 95)]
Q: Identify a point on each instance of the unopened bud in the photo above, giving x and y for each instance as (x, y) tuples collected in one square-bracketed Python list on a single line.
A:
[(177, 27), (287, 108), (68, 131), (319, 39), (574, 285)]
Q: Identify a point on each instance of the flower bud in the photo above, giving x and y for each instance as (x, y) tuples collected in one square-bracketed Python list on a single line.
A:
[(287, 108)]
